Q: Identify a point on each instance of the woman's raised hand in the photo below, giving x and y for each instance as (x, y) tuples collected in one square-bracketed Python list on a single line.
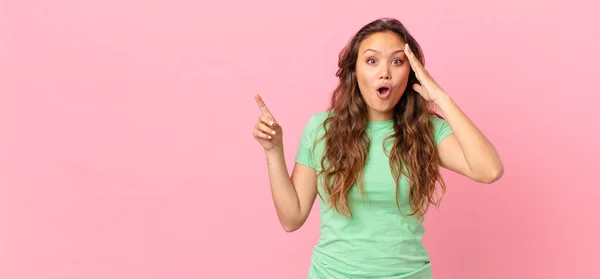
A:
[(267, 131)]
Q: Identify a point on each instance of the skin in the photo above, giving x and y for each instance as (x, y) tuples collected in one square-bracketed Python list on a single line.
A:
[(382, 57)]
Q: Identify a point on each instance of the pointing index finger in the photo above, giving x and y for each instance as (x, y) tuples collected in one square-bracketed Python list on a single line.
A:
[(261, 104)]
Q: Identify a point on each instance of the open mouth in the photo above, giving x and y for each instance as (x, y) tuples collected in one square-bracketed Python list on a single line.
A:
[(383, 91)]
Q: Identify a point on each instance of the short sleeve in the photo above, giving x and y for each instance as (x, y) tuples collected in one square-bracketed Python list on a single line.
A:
[(304, 154), (441, 130)]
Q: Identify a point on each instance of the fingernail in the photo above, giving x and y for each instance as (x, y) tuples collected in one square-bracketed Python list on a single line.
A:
[(273, 132), (272, 123)]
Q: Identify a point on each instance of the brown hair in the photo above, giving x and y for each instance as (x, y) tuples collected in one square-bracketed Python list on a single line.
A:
[(347, 142)]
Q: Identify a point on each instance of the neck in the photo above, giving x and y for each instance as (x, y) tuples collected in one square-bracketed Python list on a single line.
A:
[(378, 116)]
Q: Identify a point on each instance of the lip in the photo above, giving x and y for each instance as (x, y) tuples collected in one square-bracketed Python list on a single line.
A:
[(387, 94)]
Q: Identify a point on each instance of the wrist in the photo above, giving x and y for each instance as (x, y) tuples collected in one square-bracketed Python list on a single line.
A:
[(442, 100), (274, 152)]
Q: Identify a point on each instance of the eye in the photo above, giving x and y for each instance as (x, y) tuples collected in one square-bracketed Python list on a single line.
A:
[(398, 61), (370, 61)]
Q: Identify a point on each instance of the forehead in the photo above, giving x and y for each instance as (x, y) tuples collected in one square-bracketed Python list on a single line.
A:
[(382, 41)]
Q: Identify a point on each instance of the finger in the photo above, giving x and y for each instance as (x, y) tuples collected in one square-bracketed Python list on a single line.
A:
[(412, 59), (261, 135), (263, 127), (409, 52), (417, 87), (268, 120), (418, 69), (261, 104)]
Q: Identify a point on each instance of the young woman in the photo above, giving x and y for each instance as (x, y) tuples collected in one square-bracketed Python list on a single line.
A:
[(373, 158)]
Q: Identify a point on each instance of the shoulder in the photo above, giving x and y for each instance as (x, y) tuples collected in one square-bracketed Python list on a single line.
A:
[(319, 117), (316, 120), (437, 121), (441, 129), (314, 128)]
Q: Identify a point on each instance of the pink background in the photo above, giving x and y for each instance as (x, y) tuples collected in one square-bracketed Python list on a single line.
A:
[(127, 150)]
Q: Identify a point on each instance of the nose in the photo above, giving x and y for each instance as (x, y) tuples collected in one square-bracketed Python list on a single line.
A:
[(384, 72)]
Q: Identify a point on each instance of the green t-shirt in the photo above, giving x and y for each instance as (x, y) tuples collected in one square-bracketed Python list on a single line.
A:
[(378, 241)]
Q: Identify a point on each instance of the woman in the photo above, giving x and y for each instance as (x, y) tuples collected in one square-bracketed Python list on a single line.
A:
[(373, 158)]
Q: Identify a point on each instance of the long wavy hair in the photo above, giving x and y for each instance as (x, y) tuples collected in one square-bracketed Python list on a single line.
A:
[(414, 152)]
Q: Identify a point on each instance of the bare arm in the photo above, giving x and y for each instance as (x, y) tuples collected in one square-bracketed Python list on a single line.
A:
[(467, 151), (293, 196)]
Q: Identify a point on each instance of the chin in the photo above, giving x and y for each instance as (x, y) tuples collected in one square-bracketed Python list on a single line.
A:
[(385, 107), (380, 106)]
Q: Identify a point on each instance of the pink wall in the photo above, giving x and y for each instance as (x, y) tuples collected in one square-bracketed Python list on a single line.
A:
[(127, 152)]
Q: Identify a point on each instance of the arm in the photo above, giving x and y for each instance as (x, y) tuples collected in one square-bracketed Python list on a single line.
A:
[(467, 151), (293, 196)]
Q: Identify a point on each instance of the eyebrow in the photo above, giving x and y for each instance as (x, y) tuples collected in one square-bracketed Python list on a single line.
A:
[(374, 50)]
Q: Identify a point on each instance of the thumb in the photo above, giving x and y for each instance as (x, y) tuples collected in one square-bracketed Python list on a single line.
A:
[(417, 87)]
